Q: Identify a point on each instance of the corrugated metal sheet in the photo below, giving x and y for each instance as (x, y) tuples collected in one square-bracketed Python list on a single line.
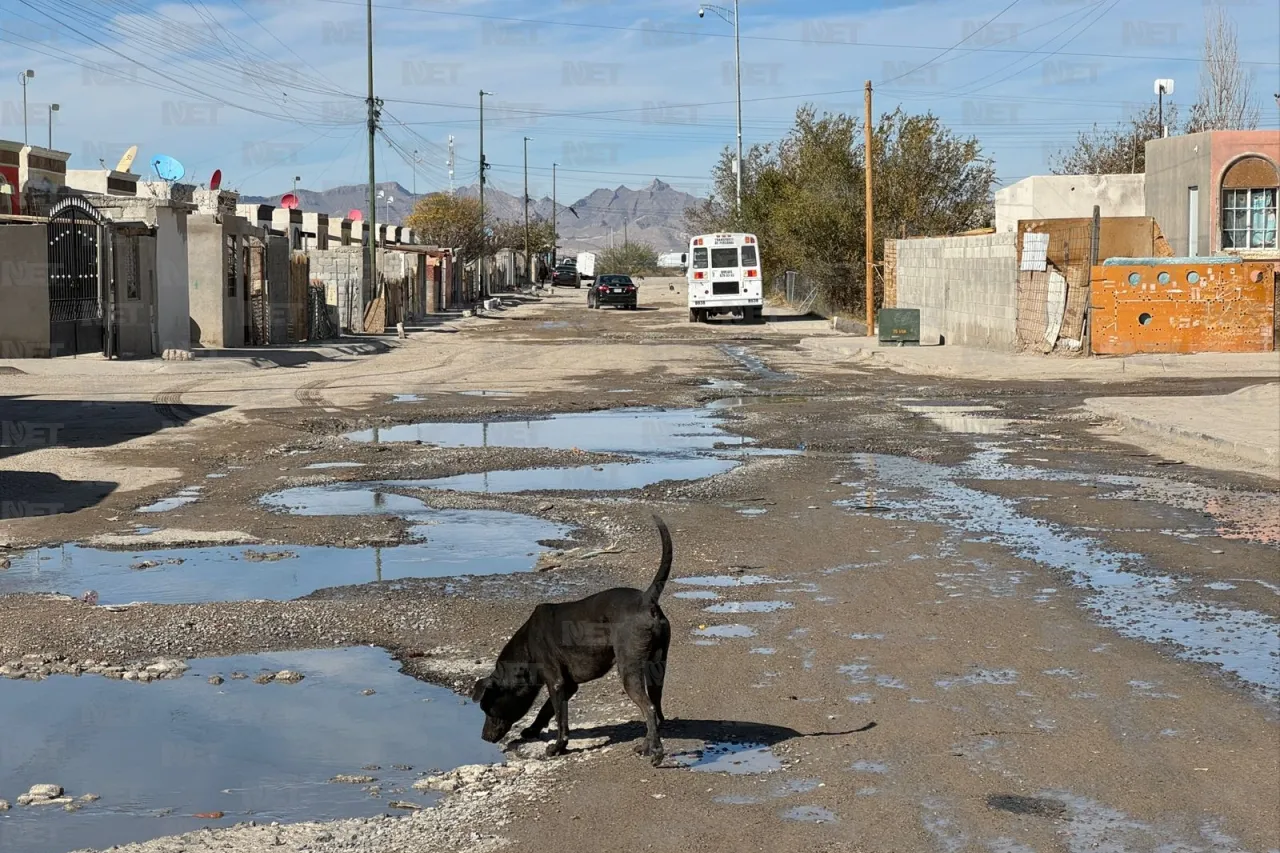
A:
[(1182, 305)]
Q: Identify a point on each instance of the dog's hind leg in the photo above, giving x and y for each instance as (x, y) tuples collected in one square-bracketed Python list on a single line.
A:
[(634, 682), (539, 723), (656, 672), (559, 697)]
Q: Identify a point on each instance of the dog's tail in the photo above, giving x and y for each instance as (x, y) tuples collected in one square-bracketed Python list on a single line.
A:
[(664, 568)]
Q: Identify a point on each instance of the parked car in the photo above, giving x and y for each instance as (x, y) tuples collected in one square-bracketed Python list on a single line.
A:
[(613, 289), (566, 275)]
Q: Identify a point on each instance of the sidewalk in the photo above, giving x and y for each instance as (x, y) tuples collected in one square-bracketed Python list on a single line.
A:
[(1244, 424), (973, 363)]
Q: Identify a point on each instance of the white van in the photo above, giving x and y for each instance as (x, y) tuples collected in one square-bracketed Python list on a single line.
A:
[(724, 277)]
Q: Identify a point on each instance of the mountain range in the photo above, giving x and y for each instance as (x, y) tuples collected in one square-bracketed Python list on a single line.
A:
[(654, 214)]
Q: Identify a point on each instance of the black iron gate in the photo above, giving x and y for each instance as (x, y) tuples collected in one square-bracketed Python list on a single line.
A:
[(75, 279)]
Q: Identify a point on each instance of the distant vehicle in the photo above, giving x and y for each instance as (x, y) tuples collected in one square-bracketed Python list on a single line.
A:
[(724, 277), (673, 261), (566, 274), (611, 289), (587, 264)]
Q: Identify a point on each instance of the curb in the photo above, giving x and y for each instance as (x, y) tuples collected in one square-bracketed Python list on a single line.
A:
[(1192, 439)]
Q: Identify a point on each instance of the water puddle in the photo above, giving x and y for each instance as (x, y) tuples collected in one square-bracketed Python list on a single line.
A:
[(753, 363), (982, 676), (749, 607), (160, 753), (725, 631), (1120, 589), (188, 495), (727, 580), (961, 418), (752, 511), (736, 759), (447, 543), (704, 594), (486, 393), (809, 814), (677, 444), (406, 398), (320, 466)]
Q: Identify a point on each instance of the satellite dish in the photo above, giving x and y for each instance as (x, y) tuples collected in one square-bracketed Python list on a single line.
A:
[(216, 181), (167, 168), (126, 162), (354, 215), (289, 201)]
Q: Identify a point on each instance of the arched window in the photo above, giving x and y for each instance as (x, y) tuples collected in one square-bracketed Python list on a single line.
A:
[(1249, 190)]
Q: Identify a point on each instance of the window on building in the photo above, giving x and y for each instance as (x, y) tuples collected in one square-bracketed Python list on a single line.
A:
[(1249, 219), (1249, 194), (231, 266)]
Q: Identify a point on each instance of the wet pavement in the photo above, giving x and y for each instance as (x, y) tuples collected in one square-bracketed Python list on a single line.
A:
[(158, 754)]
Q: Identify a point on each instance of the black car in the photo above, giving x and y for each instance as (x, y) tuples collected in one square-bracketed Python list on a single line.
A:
[(566, 274), (617, 290)]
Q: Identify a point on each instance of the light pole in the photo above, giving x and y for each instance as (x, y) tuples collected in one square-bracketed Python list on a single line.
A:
[(528, 261), (53, 108), (1163, 87), (23, 77), (556, 236), (724, 14), (416, 160), (296, 178), (484, 231)]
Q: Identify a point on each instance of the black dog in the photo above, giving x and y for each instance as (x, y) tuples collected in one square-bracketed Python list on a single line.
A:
[(564, 645)]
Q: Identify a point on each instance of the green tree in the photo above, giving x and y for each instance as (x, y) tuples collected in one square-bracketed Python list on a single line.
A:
[(449, 221), (804, 196), (630, 259), (509, 234), (1115, 150)]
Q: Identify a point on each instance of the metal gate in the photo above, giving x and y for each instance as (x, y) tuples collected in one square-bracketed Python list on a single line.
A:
[(75, 278)]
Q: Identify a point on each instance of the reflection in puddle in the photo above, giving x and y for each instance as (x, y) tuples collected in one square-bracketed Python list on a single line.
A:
[(160, 753), (1143, 606), (681, 444), (961, 418), (188, 495), (448, 543), (736, 759), (749, 607)]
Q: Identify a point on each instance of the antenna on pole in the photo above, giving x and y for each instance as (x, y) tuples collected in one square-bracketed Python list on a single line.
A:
[(450, 164)]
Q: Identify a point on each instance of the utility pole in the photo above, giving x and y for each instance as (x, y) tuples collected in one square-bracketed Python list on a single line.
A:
[(373, 104), (415, 174), (484, 231), (737, 73), (871, 239), (451, 164), (625, 242), (556, 235), (528, 260)]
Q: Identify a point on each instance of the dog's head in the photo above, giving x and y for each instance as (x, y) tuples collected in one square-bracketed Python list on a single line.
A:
[(505, 697)]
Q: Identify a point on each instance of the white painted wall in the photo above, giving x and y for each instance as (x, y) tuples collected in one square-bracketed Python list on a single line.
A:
[(1069, 197)]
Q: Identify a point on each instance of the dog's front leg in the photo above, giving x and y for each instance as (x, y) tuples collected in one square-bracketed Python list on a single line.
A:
[(560, 694), (540, 722)]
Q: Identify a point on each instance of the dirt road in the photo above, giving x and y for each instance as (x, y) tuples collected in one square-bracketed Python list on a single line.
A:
[(908, 614)]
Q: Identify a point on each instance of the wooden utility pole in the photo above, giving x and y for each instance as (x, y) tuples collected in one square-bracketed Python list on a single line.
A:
[(871, 238)]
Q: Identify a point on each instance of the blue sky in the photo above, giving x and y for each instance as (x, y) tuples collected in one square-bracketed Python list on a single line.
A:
[(615, 92)]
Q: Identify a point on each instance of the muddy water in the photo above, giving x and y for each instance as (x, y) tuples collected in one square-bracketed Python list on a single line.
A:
[(680, 444), (449, 543), (159, 753), (1123, 590)]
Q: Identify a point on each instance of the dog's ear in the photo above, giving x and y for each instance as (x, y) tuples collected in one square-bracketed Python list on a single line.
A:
[(480, 688)]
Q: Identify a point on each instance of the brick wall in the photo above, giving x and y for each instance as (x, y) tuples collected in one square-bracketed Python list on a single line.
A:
[(965, 288)]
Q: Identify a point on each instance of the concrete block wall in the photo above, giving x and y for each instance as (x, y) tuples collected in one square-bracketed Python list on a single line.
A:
[(341, 268), (965, 287)]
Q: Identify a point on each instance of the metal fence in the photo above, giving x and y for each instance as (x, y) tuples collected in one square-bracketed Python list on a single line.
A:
[(795, 290)]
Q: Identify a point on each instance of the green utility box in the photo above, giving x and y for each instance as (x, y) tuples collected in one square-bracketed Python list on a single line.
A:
[(899, 327)]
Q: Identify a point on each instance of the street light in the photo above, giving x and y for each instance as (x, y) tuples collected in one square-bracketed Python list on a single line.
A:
[(23, 77), (296, 178), (528, 260), (724, 15), (53, 108)]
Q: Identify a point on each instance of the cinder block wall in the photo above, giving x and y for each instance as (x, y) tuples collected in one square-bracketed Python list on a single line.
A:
[(341, 268), (965, 288)]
